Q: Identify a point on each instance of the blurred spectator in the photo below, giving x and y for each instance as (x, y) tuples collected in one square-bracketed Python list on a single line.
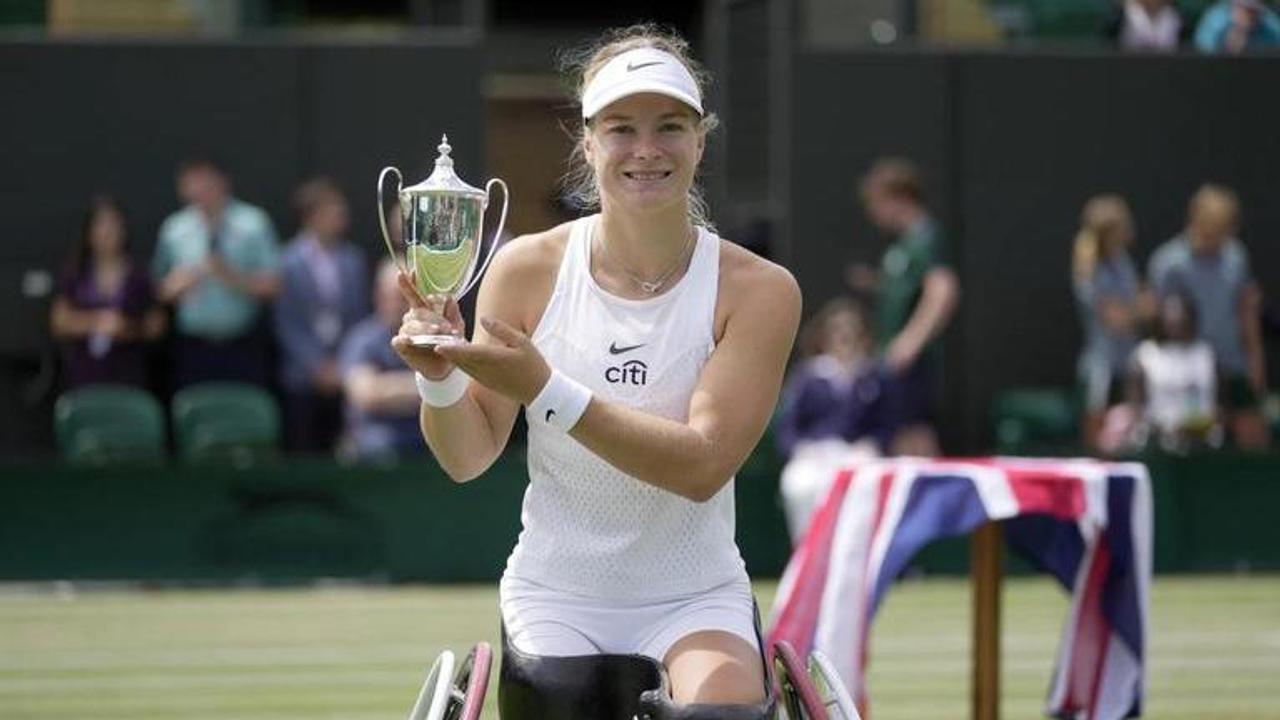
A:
[(1232, 27), (1173, 384), (1108, 293), (216, 262), (915, 293), (1209, 265), (324, 292), (1146, 25), (381, 397), (833, 407), (835, 391), (104, 310)]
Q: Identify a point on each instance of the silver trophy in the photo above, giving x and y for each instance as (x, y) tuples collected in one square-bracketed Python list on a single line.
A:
[(442, 223)]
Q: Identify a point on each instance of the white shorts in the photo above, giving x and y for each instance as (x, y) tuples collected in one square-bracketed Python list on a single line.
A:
[(543, 621)]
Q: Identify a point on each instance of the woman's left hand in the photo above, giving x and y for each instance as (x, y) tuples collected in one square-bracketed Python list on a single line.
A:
[(510, 364)]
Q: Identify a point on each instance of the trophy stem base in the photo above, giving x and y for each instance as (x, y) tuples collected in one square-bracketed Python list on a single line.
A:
[(434, 340)]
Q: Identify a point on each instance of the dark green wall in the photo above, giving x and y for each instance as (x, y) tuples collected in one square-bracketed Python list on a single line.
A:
[(300, 520)]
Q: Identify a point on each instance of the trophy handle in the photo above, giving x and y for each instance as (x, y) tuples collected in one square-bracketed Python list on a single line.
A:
[(493, 244), (382, 215)]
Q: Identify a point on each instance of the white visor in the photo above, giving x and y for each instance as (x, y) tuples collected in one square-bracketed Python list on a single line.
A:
[(639, 71)]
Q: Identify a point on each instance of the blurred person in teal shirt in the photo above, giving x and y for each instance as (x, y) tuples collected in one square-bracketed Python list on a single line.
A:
[(216, 262), (1235, 26)]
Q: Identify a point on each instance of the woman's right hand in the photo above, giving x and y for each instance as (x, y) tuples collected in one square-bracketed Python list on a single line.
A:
[(430, 315)]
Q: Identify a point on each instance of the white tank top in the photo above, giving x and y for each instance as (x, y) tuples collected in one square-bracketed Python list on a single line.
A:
[(589, 528)]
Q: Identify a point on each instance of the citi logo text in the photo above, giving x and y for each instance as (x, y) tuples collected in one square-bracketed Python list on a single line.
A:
[(631, 372)]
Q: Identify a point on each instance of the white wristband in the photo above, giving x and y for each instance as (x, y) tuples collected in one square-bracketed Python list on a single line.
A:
[(561, 402), (443, 393)]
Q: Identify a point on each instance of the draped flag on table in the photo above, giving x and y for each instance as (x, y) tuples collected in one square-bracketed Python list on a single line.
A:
[(1088, 523)]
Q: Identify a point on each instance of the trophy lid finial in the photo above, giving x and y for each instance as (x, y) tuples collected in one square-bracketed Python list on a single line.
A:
[(443, 180), (444, 148)]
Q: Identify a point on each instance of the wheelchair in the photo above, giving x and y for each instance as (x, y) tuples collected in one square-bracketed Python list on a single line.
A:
[(619, 687)]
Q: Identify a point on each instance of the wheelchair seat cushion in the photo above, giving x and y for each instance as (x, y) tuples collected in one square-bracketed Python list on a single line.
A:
[(606, 687)]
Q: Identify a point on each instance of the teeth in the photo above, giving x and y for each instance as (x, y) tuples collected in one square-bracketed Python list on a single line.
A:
[(647, 175)]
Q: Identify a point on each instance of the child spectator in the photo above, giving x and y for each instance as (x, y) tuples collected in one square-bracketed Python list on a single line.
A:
[(834, 407), (1173, 383)]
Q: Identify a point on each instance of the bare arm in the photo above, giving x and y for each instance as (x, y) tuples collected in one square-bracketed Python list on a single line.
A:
[(178, 282), (728, 411), (66, 321), (260, 285), (381, 392), (938, 300)]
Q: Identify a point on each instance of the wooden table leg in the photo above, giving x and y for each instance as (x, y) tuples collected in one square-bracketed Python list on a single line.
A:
[(985, 547)]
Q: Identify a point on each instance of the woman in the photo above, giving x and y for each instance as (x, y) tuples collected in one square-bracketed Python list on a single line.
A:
[(104, 310), (1110, 299), (649, 354)]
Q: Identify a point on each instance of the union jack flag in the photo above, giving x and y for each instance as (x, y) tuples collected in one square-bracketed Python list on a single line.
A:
[(1087, 523)]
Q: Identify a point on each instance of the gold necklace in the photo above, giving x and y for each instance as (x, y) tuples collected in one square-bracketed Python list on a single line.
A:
[(651, 286)]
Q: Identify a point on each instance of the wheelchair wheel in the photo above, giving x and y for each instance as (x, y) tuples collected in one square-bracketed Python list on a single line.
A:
[(466, 697), (798, 697), (433, 698), (826, 681)]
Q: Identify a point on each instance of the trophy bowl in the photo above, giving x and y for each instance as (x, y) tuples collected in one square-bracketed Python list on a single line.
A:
[(442, 231)]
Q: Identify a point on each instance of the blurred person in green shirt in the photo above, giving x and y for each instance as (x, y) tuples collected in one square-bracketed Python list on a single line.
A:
[(216, 262), (915, 295)]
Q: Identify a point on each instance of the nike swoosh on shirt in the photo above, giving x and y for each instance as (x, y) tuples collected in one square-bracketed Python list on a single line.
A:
[(547, 418), (632, 68), (615, 350)]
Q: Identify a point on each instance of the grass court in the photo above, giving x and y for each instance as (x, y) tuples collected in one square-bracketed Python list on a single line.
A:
[(360, 652)]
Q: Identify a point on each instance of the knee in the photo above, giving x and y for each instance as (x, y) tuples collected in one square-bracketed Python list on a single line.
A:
[(715, 667)]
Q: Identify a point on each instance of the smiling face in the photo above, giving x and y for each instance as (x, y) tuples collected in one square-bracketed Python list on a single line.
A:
[(644, 150)]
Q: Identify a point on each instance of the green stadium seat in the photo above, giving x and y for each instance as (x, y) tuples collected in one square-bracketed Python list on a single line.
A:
[(1036, 421), (100, 424), (227, 421)]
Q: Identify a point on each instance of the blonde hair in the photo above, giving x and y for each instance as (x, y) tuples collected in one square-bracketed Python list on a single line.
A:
[(1101, 221), (580, 187)]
